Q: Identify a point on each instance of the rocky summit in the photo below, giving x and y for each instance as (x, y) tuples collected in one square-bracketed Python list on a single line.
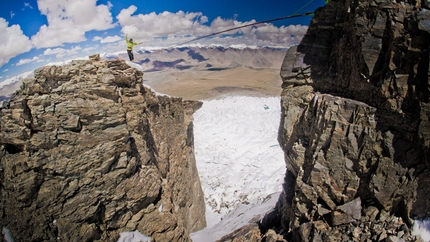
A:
[(355, 126), (87, 152)]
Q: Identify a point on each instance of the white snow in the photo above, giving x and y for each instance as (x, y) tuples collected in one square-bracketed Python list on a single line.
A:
[(237, 218), (240, 163), (17, 78), (237, 153), (422, 228), (7, 235), (134, 65), (134, 236)]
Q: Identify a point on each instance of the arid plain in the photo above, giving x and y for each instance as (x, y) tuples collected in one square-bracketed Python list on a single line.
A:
[(204, 84)]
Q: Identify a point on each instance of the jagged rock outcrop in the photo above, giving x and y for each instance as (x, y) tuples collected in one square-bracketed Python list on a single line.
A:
[(87, 151), (355, 124)]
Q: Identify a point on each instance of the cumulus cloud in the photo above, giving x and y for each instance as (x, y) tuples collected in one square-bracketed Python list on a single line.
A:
[(61, 52), (162, 24), (271, 33), (68, 21), (12, 41), (179, 27), (26, 61), (108, 39)]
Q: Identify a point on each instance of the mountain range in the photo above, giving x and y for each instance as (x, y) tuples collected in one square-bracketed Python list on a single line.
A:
[(183, 59), (208, 58), (9, 86)]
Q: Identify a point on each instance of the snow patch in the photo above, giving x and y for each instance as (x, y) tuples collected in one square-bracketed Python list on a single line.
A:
[(239, 217), (7, 235), (422, 228), (134, 65), (134, 236)]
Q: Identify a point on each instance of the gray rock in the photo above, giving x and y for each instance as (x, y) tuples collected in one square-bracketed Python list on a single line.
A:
[(88, 152), (356, 138), (293, 69), (347, 213), (424, 20)]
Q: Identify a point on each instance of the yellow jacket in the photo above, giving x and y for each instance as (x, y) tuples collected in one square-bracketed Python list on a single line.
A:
[(130, 44)]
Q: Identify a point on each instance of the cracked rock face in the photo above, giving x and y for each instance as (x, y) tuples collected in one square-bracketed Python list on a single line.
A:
[(86, 152), (355, 123)]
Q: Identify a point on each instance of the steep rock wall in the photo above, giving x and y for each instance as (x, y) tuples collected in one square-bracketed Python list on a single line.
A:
[(355, 125), (86, 152)]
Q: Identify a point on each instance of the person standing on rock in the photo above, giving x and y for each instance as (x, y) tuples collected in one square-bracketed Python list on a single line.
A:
[(130, 45)]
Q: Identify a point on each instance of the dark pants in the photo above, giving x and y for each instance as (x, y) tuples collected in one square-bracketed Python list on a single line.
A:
[(130, 55)]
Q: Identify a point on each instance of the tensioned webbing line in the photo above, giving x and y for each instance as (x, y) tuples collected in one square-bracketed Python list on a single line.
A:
[(294, 15)]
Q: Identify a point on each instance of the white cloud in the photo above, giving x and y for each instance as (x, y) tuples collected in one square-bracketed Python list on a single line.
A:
[(282, 34), (180, 27), (68, 21), (88, 49), (27, 5), (26, 61), (162, 24), (12, 41), (108, 39), (109, 4), (12, 14), (61, 52), (55, 51), (5, 70)]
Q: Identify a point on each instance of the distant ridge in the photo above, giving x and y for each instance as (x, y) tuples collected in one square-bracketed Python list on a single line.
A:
[(183, 59)]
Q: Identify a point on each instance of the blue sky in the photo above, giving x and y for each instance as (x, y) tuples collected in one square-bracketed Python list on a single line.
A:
[(34, 33)]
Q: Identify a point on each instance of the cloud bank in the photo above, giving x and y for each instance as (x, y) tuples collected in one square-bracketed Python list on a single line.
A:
[(172, 28), (12, 41), (68, 21)]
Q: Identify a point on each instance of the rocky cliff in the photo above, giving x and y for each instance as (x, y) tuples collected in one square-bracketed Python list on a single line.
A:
[(355, 126), (87, 151)]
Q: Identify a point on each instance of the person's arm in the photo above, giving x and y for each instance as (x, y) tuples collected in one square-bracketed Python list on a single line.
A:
[(126, 39)]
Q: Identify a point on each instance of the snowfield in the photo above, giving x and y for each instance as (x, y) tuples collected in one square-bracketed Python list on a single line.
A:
[(239, 160), (241, 165), (237, 153)]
